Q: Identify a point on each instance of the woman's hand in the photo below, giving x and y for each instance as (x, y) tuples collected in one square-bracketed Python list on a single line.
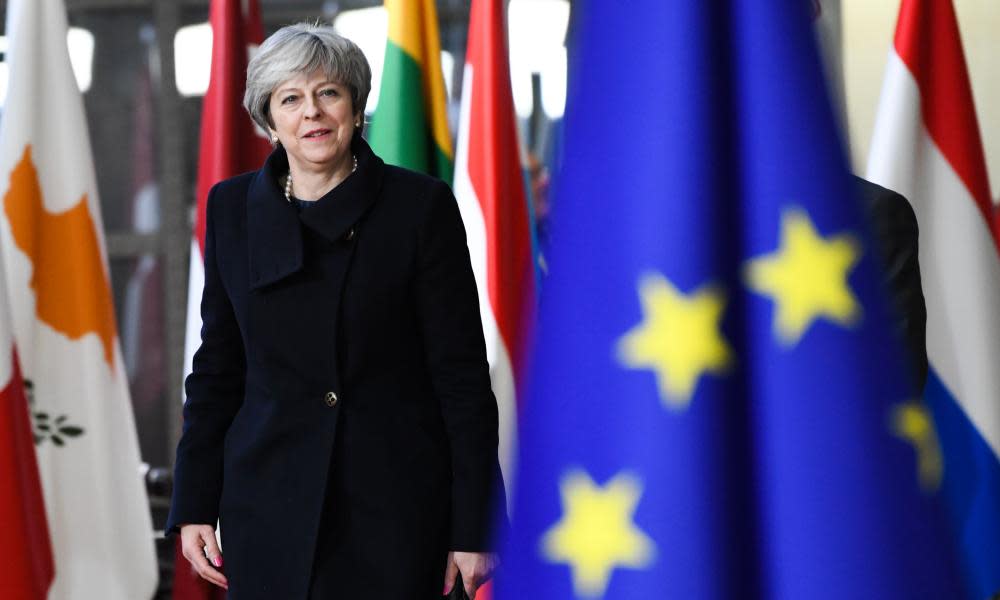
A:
[(476, 569), (202, 551)]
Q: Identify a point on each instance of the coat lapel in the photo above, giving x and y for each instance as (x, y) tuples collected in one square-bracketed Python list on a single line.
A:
[(273, 231), (273, 226), (336, 215)]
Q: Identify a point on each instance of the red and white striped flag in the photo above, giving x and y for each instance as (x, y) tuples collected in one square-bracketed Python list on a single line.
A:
[(230, 145), (489, 186), (926, 145)]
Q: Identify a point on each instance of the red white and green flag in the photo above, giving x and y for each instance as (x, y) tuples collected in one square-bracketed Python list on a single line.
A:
[(410, 125)]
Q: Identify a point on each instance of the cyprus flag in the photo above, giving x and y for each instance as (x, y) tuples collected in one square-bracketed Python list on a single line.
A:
[(60, 298)]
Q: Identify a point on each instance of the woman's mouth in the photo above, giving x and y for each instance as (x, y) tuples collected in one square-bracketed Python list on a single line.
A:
[(316, 133)]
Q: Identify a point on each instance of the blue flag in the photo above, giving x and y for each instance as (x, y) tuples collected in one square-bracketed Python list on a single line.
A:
[(719, 407)]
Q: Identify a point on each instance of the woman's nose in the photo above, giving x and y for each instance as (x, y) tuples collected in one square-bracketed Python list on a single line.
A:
[(311, 108)]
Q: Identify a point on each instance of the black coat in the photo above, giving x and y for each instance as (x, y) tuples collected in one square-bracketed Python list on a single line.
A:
[(895, 228), (339, 418)]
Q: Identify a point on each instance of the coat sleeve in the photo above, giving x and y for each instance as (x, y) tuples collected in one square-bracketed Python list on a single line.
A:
[(214, 392), (895, 228), (455, 350), (899, 232)]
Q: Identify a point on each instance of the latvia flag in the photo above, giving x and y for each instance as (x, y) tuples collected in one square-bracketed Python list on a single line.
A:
[(926, 145)]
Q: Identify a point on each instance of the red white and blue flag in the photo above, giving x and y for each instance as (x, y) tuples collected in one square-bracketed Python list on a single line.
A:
[(927, 146)]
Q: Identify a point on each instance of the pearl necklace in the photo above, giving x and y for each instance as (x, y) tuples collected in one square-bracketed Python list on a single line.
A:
[(288, 180)]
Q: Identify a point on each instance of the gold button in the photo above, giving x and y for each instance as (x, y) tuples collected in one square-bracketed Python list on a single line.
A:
[(331, 399)]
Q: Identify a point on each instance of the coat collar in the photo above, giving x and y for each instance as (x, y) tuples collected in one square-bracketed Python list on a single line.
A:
[(274, 227)]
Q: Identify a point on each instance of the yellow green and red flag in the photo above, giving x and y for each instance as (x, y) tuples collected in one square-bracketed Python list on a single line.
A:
[(410, 125)]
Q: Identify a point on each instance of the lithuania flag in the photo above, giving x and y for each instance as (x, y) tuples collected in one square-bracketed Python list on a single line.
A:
[(410, 126)]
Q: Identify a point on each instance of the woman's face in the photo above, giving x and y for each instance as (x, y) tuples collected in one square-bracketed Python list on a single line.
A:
[(314, 120)]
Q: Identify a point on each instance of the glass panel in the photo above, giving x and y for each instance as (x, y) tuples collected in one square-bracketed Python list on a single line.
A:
[(192, 44), (121, 114), (137, 283)]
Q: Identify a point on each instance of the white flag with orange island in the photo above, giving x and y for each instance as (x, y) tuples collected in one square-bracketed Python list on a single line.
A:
[(59, 292)]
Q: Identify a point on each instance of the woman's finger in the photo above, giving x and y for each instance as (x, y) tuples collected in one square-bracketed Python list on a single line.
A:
[(471, 587), (450, 572), (208, 573), (210, 558), (195, 541), (211, 546), (196, 556)]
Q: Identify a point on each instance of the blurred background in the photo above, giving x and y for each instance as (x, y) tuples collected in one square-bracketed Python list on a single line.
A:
[(143, 68)]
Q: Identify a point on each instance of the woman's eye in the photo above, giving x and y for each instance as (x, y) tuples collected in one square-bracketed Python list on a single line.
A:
[(329, 92), (289, 99)]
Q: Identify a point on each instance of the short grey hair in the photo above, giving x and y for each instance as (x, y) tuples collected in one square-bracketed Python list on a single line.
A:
[(304, 48)]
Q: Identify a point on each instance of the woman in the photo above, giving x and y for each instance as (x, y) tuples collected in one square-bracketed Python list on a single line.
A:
[(339, 420)]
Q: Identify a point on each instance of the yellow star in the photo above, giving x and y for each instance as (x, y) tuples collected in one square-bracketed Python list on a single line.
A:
[(679, 338), (806, 277), (912, 423), (596, 533)]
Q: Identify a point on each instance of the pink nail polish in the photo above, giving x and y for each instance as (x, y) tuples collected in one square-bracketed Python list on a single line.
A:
[(217, 561)]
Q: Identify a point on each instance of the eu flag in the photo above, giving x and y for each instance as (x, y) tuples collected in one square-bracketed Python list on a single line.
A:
[(718, 406)]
